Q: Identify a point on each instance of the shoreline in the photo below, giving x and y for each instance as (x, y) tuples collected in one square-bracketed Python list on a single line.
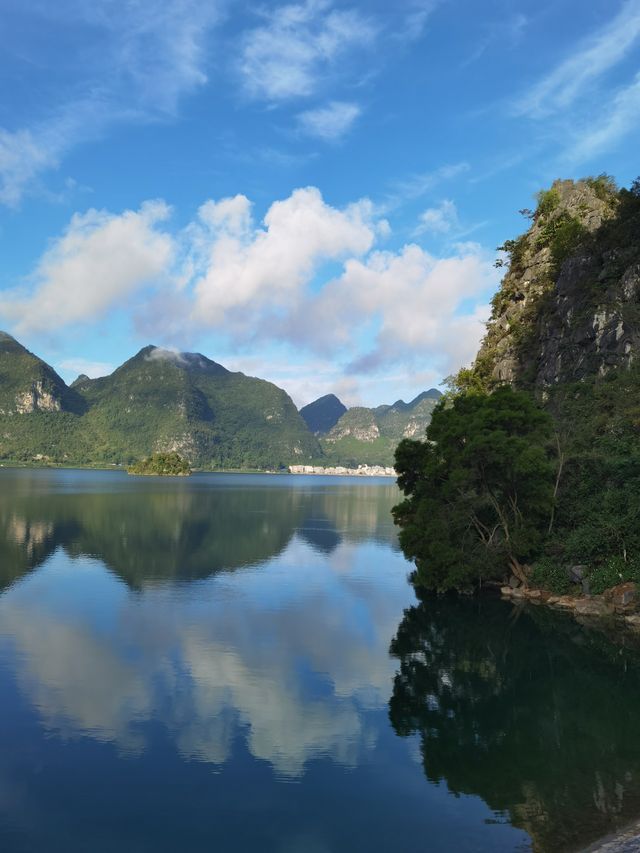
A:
[(327, 472), (626, 840)]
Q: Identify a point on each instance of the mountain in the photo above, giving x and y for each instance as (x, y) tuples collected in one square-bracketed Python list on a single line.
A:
[(558, 376), (567, 307), (157, 401), (370, 436), (323, 413), (28, 384)]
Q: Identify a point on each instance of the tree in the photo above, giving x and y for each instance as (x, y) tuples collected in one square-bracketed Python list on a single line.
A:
[(479, 491)]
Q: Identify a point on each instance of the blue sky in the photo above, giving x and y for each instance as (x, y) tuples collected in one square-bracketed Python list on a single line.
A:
[(310, 192)]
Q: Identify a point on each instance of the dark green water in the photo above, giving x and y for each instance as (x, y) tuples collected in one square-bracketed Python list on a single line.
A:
[(236, 663)]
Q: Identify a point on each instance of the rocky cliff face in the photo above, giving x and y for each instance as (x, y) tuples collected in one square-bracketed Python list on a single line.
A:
[(28, 384), (568, 306), (37, 399)]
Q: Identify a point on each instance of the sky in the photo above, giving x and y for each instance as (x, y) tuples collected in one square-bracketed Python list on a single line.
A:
[(310, 192)]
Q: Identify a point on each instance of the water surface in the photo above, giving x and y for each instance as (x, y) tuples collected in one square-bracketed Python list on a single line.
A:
[(236, 662)]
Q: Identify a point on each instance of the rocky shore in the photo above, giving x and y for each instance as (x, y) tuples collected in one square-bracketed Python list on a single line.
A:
[(621, 602)]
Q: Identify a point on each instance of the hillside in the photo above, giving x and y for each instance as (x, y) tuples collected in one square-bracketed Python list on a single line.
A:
[(542, 471), (323, 413), (158, 401), (370, 436)]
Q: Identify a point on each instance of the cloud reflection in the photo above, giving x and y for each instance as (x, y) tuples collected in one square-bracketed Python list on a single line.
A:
[(292, 655)]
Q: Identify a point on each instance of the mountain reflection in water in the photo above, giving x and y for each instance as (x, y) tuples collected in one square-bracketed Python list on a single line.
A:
[(153, 530), (205, 664), (534, 714)]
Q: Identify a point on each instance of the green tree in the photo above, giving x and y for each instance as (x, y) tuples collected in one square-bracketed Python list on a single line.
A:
[(479, 491)]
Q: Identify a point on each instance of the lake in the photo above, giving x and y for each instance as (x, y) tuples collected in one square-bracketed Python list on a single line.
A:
[(237, 663)]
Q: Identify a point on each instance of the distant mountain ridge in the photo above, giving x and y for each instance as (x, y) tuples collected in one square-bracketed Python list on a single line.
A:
[(370, 435), (323, 413), (163, 401), (158, 400)]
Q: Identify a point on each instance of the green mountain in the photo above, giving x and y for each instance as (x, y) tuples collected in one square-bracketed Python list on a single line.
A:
[(323, 413), (370, 436), (28, 384), (561, 350), (158, 401)]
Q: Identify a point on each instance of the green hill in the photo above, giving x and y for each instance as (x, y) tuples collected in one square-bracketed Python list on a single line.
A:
[(323, 413), (370, 436), (158, 401)]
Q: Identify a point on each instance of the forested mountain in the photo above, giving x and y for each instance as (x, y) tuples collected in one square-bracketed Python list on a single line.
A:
[(323, 413), (372, 435), (157, 401), (534, 465)]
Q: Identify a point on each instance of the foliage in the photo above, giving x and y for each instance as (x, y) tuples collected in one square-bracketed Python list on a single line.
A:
[(548, 202), (596, 512), (604, 186), (547, 574), (479, 491), (366, 436), (162, 465)]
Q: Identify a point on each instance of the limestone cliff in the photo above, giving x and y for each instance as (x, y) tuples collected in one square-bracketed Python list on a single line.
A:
[(28, 384), (568, 306)]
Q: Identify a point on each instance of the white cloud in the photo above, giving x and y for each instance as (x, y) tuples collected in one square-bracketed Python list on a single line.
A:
[(418, 185), (98, 263), (136, 65), (330, 122), (310, 277), (416, 301), (416, 17), (251, 272), (438, 220), (288, 55), (594, 58), (618, 119)]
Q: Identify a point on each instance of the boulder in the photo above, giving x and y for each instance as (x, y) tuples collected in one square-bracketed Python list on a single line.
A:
[(594, 606), (623, 597), (514, 582)]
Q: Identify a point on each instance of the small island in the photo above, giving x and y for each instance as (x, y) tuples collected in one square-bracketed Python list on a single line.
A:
[(161, 465)]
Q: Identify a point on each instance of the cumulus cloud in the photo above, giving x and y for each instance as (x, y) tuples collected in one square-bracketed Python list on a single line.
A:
[(415, 301), (330, 122), (309, 277), (251, 272), (99, 262), (438, 220), (296, 45)]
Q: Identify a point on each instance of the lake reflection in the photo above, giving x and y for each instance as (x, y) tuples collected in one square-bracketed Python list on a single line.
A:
[(204, 664), (226, 662)]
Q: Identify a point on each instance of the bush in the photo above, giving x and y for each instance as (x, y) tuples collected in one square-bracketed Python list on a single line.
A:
[(547, 574), (612, 572)]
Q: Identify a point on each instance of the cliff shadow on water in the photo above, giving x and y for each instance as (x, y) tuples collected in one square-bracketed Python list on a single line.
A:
[(526, 709)]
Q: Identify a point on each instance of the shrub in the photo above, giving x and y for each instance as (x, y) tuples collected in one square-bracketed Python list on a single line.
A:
[(547, 574)]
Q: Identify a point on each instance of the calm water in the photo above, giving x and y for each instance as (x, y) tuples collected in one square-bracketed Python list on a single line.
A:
[(236, 663)]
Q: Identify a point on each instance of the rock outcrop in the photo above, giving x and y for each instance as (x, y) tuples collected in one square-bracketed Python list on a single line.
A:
[(567, 307)]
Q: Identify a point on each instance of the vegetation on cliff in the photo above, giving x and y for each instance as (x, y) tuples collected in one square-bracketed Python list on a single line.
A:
[(559, 355)]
